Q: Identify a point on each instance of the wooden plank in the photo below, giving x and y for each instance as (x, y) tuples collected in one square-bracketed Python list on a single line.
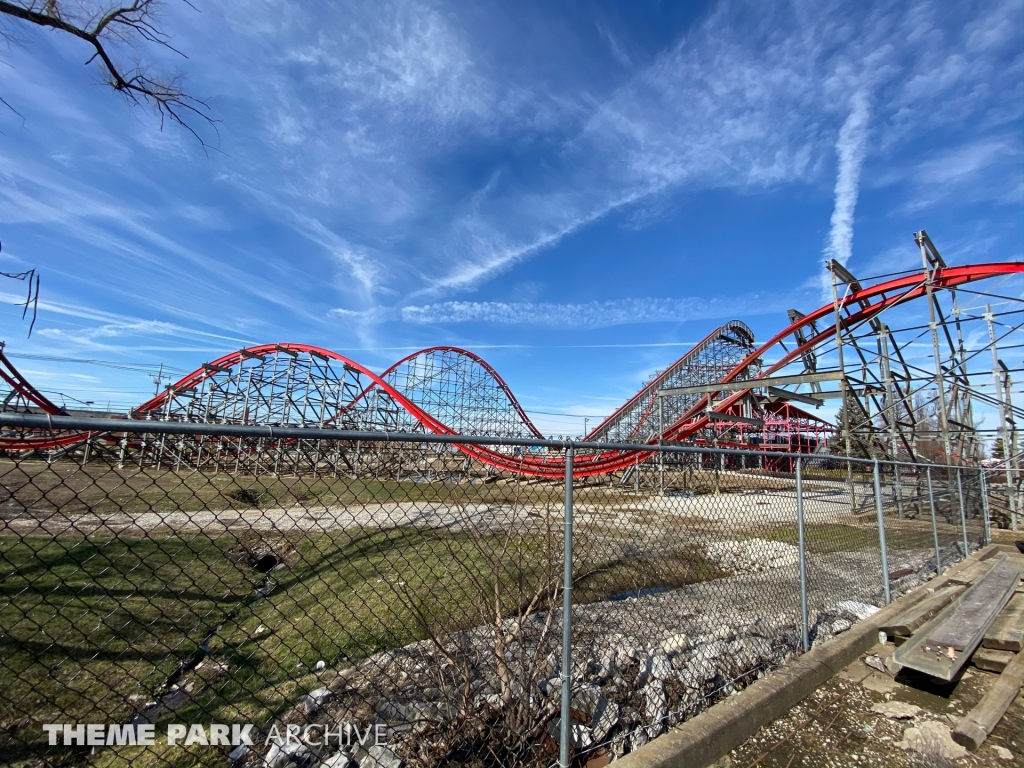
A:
[(1007, 631), (991, 661), (920, 652), (977, 609), (1008, 549), (973, 572), (974, 728), (908, 622)]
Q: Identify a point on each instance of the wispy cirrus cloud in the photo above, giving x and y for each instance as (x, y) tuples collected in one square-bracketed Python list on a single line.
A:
[(95, 335), (344, 114), (747, 101), (987, 169), (582, 316), (100, 328), (408, 153)]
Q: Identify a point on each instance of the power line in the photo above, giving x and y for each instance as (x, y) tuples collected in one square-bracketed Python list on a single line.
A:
[(136, 367)]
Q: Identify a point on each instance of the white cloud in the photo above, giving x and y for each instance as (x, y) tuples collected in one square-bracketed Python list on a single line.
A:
[(98, 335), (362, 127), (755, 96), (106, 326), (850, 150), (954, 165), (988, 169), (366, 271), (594, 314)]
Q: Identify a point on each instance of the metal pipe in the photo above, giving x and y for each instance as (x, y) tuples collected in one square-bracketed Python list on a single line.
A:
[(661, 440), (984, 506), (897, 491), (881, 536), (803, 552), (963, 512), (563, 748), (138, 426), (935, 529)]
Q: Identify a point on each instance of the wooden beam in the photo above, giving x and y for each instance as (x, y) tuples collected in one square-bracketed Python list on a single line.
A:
[(973, 572), (945, 643), (908, 622), (991, 661), (1007, 630), (974, 728)]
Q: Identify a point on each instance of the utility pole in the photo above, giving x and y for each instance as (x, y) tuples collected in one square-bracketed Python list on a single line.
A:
[(158, 379), (1013, 466), (843, 388), (940, 383), (965, 410), (1004, 431), (889, 409)]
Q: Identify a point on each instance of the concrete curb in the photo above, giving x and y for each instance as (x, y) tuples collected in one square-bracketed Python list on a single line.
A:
[(720, 729)]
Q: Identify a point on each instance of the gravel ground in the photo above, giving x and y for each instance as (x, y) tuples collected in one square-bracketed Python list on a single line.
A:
[(865, 718), (762, 599)]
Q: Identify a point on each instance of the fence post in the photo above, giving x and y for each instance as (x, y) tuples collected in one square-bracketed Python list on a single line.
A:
[(963, 512), (661, 444), (984, 506), (803, 551), (897, 490), (935, 529), (563, 749), (881, 536)]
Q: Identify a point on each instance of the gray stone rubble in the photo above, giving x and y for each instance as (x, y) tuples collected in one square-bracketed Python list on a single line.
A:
[(640, 665)]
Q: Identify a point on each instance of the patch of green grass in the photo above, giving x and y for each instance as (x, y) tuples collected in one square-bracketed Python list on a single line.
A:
[(94, 626), (88, 622), (669, 570)]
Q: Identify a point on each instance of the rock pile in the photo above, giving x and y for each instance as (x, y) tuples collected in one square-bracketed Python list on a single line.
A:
[(753, 555), (622, 697), (640, 665)]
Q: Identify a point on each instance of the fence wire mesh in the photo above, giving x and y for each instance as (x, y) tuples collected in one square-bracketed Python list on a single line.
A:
[(369, 603)]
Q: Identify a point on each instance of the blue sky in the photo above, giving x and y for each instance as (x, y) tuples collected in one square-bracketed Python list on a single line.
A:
[(576, 191)]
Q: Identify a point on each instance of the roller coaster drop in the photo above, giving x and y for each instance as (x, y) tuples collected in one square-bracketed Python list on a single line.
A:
[(727, 391)]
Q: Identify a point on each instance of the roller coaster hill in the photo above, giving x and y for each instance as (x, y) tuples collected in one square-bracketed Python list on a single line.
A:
[(907, 361)]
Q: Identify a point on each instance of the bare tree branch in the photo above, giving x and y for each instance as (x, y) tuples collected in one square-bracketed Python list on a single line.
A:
[(32, 299), (127, 23)]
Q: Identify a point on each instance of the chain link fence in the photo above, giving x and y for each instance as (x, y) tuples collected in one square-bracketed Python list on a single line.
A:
[(255, 597)]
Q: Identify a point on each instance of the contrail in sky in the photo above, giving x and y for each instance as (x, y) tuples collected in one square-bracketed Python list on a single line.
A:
[(850, 148)]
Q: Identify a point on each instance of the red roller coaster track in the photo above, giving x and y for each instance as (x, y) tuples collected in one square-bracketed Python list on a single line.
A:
[(861, 304)]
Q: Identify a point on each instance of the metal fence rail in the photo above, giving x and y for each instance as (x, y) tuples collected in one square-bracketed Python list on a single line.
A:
[(369, 599)]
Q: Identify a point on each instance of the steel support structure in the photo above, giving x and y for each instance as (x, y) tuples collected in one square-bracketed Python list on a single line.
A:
[(728, 391)]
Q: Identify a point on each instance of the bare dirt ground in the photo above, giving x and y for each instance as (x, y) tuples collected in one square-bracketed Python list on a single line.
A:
[(840, 725)]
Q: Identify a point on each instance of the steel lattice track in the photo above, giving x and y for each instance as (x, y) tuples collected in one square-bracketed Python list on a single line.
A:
[(448, 391)]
